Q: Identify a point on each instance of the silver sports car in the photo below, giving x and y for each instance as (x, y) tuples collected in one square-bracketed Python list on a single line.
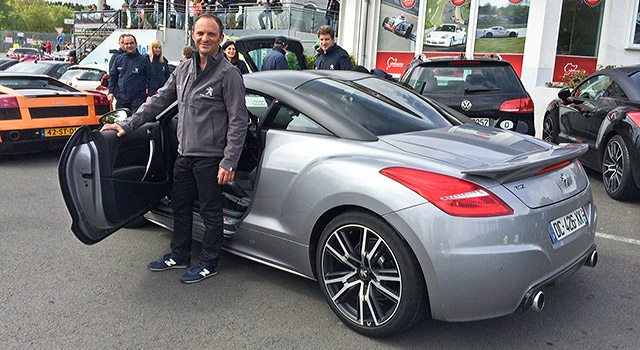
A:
[(398, 206)]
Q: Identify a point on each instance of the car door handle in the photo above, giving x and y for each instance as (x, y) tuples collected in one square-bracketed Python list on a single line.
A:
[(87, 176), (152, 150)]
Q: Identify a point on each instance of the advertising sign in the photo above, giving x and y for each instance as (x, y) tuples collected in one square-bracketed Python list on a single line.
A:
[(8, 39), (502, 26), (398, 20), (445, 28)]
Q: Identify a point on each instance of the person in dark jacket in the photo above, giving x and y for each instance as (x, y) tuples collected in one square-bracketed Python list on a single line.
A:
[(231, 54), (276, 60), (159, 63), (330, 55), (131, 79), (117, 52), (333, 7), (212, 125)]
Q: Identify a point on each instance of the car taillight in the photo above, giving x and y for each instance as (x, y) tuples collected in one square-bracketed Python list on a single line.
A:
[(100, 99), (635, 117), (453, 196), (8, 102), (553, 167), (519, 105)]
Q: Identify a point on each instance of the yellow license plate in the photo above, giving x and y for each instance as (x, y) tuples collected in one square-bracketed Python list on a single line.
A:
[(58, 131)]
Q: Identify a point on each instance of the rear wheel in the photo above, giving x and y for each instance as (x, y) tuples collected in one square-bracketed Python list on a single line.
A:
[(550, 129), (369, 276), (489, 35), (616, 171), (512, 34), (409, 30)]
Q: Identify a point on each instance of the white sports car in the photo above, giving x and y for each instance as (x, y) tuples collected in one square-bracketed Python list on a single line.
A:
[(499, 32), (446, 35)]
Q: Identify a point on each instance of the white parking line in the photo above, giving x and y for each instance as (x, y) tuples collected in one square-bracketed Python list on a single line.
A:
[(617, 238)]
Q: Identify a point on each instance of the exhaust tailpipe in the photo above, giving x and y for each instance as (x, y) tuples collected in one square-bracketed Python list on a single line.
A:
[(538, 301), (592, 260)]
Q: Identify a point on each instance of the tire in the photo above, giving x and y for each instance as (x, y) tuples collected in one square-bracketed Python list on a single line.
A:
[(616, 171), (137, 222), (451, 43), (489, 35), (409, 30), (385, 21), (550, 128), (464, 40), (513, 34), (390, 305)]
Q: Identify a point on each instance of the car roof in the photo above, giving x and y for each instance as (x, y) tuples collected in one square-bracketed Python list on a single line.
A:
[(283, 86), (493, 59)]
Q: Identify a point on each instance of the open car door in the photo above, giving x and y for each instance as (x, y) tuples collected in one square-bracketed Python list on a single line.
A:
[(107, 181), (252, 46)]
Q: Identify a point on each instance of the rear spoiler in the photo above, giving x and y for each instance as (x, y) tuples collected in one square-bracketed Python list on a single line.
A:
[(528, 165)]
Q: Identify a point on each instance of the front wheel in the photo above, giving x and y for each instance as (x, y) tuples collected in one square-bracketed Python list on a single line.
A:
[(616, 170), (369, 275)]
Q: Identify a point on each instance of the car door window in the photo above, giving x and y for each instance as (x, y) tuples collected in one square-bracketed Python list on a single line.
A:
[(593, 88), (288, 119), (257, 104), (61, 71), (615, 91)]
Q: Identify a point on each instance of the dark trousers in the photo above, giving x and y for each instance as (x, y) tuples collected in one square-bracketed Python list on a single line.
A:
[(191, 176), (132, 103)]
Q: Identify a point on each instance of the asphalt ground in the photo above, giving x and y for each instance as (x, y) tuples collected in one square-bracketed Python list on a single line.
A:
[(57, 293)]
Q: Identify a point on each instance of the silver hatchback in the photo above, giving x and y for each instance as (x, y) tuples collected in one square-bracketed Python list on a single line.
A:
[(398, 206)]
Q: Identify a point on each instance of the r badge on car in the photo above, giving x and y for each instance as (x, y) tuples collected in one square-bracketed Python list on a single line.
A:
[(466, 105)]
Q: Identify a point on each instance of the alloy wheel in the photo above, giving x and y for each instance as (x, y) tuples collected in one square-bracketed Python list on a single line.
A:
[(612, 166), (547, 130), (361, 275)]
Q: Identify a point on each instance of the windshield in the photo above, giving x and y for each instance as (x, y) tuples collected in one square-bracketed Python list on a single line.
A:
[(464, 79), (376, 105), (446, 28), (29, 67)]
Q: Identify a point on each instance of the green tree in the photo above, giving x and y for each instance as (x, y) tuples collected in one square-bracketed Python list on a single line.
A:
[(34, 15)]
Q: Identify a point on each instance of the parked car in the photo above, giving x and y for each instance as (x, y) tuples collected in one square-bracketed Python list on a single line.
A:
[(53, 69), (65, 55), (398, 25), (92, 76), (38, 112), (446, 35), (7, 62), (398, 207), (485, 89), (27, 53), (498, 32), (603, 111)]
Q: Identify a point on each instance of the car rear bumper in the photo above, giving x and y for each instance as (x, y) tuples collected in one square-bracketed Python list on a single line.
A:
[(479, 268)]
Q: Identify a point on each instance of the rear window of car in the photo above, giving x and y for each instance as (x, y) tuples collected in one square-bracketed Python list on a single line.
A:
[(376, 106), (635, 77), (83, 74), (18, 83), (457, 79), (29, 67)]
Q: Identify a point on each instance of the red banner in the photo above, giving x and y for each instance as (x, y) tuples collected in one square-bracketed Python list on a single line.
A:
[(567, 64)]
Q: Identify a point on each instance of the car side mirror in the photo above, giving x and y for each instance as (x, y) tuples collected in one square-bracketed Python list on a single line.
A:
[(115, 116), (564, 94)]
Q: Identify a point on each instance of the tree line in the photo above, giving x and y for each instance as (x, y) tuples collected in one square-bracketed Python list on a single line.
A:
[(36, 15)]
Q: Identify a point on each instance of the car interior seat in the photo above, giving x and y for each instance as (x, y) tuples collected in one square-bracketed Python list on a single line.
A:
[(474, 80), (429, 81)]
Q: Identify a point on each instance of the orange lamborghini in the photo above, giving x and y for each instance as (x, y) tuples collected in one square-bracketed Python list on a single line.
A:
[(38, 112)]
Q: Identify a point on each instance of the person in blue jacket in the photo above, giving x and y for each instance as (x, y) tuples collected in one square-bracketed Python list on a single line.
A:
[(330, 55), (159, 64), (276, 60), (131, 78)]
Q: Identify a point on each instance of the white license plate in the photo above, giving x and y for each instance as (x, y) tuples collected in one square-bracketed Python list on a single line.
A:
[(563, 226), (481, 121)]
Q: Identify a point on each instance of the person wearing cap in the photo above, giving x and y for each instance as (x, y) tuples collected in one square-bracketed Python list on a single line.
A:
[(276, 60), (329, 55)]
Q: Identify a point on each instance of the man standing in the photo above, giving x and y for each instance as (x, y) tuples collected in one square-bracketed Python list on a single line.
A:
[(330, 55), (333, 7), (276, 60), (266, 12), (131, 77), (212, 126), (117, 52), (48, 47)]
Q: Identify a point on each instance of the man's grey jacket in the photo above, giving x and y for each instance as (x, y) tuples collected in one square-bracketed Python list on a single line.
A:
[(212, 115)]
